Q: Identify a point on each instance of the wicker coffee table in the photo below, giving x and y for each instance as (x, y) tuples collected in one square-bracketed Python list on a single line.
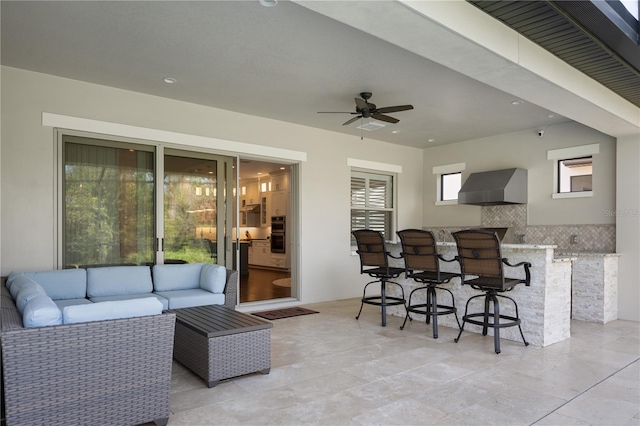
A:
[(217, 343)]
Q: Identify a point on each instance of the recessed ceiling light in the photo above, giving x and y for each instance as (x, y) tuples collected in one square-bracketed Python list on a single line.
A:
[(395, 131), (282, 168), (552, 115), (169, 80), (431, 140), (268, 3), (517, 102), (259, 173)]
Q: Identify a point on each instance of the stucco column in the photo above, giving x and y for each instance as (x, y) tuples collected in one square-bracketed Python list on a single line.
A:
[(628, 226)]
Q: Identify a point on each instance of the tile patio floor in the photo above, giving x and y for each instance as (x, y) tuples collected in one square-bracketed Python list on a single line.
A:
[(329, 369)]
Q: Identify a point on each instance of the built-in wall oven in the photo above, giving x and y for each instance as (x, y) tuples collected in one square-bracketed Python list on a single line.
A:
[(278, 234)]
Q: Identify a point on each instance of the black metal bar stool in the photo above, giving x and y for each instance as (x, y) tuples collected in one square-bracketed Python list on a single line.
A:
[(421, 260), (375, 263), (481, 267)]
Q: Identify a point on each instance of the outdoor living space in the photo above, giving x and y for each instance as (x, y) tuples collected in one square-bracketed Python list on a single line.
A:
[(330, 369)]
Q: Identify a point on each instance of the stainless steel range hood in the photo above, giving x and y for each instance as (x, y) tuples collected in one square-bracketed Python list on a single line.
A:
[(494, 188), (251, 208)]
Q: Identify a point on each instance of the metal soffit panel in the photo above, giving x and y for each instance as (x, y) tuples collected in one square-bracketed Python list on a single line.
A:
[(574, 32)]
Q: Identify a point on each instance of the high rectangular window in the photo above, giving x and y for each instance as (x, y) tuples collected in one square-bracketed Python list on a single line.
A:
[(450, 184), (575, 174)]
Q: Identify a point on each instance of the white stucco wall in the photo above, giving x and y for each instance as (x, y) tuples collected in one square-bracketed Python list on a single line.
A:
[(528, 151), (328, 271)]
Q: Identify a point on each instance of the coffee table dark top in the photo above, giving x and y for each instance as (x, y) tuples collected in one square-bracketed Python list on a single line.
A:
[(218, 320)]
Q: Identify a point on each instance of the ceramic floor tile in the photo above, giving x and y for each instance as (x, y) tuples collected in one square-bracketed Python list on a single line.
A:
[(330, 369), (402, 412)]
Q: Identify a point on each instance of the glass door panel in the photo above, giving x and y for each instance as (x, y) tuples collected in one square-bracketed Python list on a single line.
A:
[(108, 203), (196, 208)]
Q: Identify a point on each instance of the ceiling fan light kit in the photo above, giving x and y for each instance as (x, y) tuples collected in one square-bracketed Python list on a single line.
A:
[(371, 126), (365, 109)]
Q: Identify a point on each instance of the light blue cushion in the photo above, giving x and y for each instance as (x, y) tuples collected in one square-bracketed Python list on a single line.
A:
[(63, 283), (70, 302), (165, 302), (112, 310), (41, 311), (118, 280), (176, 277), (17, 285), (213, 278), (12, 277), (188, 298), (26, 293)]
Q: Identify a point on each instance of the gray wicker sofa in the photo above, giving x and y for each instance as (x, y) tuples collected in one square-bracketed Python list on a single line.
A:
[(115, 371), (102, 372)]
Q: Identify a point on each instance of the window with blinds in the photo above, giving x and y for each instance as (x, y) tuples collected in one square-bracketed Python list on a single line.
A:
[(372, 202)]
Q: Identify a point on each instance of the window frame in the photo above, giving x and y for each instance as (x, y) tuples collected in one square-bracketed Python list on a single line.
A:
[(559, 165), (443, 170), (391, 178), (562, 154)]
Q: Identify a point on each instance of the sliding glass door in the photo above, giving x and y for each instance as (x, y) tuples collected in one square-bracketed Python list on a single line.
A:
[(195, 208), (135, 204)]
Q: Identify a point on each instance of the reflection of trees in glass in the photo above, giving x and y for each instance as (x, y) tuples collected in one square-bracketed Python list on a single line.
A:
[(108, 205), (189, 204)]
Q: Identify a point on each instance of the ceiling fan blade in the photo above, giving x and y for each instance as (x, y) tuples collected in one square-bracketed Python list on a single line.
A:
[(384, 118), (397, 108), (361, 103), (352, 120), (336, 112)]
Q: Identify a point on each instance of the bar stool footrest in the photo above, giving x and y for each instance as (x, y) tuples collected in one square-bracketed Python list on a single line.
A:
[(512, 321)]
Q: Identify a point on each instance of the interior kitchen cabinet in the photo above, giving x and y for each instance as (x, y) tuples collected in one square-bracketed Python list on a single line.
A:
[(280, 182), (249, 192), (260, 253), (265, 209), (279, 200)]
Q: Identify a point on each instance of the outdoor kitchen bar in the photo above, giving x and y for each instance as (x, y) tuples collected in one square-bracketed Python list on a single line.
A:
[(544, 306)]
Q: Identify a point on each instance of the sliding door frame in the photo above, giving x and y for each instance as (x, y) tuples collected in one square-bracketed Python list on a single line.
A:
[(225, 214)]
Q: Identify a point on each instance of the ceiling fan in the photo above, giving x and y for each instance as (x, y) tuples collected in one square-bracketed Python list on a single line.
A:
[(365, 109)]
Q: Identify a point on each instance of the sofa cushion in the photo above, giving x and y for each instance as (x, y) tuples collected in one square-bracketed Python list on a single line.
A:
[(213, 278), (12, 277), (176, 277), (17, 285), (41, 311), (118, 280), (59, 284), (26, 293), (70, 302), (111, 310), (165, 302), (188, 298)]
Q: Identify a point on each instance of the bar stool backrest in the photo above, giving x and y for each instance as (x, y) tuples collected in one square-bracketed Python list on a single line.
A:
[(371, 249), (479, 254), (419, 250)]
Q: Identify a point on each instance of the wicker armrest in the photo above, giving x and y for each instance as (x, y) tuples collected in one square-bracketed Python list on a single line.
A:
[(231, 289)]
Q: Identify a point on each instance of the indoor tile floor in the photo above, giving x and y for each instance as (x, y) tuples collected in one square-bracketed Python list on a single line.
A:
[(329, 369)]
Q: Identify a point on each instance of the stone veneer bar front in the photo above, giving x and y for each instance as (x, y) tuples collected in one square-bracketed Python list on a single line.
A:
[(544, 306)]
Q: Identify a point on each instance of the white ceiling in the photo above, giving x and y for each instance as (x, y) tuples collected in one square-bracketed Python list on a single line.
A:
[(285, 63)]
